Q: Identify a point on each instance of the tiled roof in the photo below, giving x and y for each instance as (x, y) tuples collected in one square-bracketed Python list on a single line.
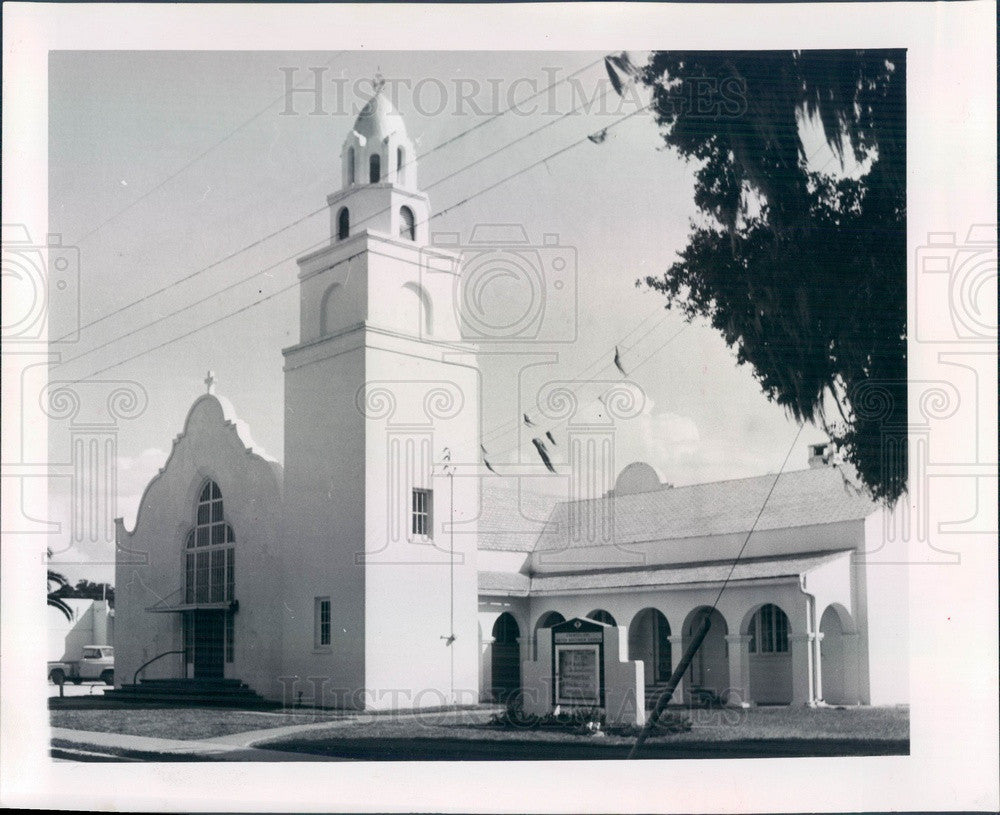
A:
[(504, 583), (510, 519), (800, 498)]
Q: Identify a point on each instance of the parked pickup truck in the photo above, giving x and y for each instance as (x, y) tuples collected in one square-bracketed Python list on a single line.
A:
[(97, 662)]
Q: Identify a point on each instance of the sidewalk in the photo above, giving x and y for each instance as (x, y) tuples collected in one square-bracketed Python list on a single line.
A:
[(237, 747)]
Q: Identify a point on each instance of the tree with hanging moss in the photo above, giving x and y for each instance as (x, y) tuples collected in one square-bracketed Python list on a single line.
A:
[(801, 270)]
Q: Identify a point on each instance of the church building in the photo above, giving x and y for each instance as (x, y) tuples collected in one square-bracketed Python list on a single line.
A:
[(375, 567)]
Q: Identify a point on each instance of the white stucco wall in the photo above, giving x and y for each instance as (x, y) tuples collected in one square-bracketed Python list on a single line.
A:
[(150, 568), (883, 570), (412, 583), (324, 521)]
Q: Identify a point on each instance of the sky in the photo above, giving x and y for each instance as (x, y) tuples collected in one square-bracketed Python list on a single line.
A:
[(171, 172)]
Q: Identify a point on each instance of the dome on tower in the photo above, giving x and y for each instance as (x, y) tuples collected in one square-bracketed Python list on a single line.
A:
[(379, 119), (377, 149)]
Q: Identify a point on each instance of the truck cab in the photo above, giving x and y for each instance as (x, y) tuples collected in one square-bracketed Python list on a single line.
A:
[(97, 662)]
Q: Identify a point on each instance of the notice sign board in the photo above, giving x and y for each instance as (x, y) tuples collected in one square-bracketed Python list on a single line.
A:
[(578, 675), (578, 663)]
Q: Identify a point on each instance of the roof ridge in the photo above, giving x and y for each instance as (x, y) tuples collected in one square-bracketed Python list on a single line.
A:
[(675, 488)]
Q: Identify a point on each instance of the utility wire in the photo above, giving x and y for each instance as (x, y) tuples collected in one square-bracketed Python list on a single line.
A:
[(294, 223), (489, 188), (193, 161), (295, 254)]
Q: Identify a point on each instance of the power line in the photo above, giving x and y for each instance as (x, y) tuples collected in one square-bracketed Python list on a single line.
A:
[(753, 526), (325, 241), (436, 215), (297, 253), (294, 223), (193, 161)]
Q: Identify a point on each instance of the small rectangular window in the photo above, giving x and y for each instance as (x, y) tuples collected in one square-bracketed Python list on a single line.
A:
[(321, 637), (422, 511)]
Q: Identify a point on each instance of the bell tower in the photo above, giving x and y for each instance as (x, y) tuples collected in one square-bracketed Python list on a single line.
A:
[(381, 393), (379, 215), (379, 178)]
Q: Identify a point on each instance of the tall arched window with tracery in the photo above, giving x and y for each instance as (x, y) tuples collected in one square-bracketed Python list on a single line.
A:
[(209, 584), (211, 553)]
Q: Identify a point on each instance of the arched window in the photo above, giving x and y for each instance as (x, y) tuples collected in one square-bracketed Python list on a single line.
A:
[(210, 567), (599, 615), (375, 168), (343, 224), (407, 224), (400, 162), (350, 165), (769, 631)]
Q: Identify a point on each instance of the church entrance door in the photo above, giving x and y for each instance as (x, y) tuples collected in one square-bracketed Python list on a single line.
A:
[(209, 654)]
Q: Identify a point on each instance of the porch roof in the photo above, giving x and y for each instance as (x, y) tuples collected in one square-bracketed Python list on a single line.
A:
[(767, 568), (177, 608)]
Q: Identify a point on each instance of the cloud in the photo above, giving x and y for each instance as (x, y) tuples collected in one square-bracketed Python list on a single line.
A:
[(134, 475), (662, 439)]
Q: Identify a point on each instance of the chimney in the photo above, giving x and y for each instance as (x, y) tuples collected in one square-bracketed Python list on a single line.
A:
[(820, 455)]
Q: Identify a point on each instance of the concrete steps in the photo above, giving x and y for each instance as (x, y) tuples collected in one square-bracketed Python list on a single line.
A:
[(191, 692)]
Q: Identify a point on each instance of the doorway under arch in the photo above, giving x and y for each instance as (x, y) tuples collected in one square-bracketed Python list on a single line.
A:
[(836, 655), (649, 640), (770, 657), (506, 658), (708, 675)]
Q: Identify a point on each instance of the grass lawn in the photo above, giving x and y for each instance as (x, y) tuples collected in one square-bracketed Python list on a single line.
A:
[(182, 723), (762, 731), (468, 734)]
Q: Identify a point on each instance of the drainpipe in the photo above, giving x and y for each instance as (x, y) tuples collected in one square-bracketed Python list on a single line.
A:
[(812, 632)]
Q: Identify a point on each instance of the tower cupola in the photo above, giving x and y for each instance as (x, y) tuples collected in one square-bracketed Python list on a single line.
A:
[(378, 150), (379, 191)]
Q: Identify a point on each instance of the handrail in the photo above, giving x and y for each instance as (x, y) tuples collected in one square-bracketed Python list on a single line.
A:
[(135, 676)]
